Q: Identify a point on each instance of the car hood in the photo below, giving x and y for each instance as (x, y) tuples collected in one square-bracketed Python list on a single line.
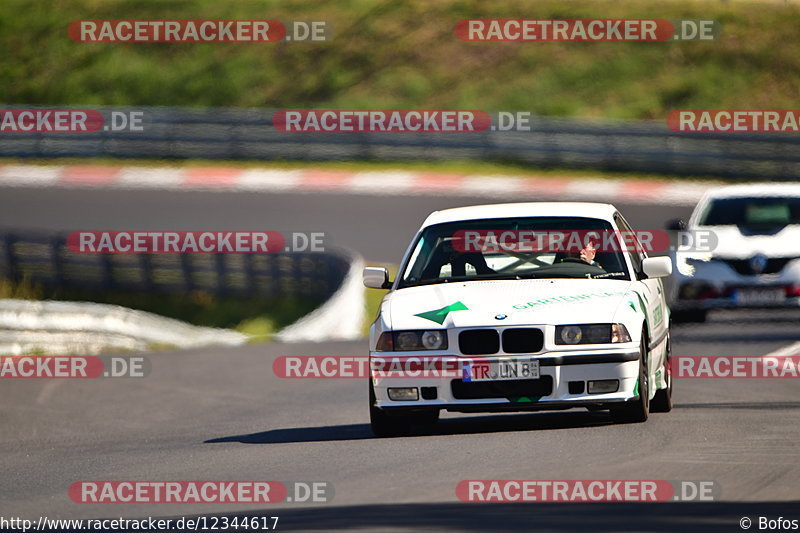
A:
[(736, 243), (508, 302)]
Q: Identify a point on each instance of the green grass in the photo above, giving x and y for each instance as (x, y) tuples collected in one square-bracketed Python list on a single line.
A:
[(23, 290), (404, 54)]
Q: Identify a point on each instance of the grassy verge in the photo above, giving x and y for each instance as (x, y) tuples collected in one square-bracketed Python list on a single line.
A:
[(401, 54)]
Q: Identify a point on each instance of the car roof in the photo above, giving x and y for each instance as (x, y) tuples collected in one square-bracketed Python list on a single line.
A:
[(522, 209), (755, 190)]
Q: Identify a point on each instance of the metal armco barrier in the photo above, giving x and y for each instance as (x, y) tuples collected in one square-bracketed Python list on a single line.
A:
[(46, 260), (229, 133)]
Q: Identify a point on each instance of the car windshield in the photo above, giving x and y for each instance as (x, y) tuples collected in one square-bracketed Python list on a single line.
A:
[(447, 252), (758, 211)]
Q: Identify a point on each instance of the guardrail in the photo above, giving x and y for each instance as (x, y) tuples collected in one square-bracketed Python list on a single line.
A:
[(46, 260), (228, 133), (50, 327)]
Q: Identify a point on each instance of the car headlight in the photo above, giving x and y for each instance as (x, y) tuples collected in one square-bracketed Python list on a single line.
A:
[(569, 334), (413, 340), (592, 334)]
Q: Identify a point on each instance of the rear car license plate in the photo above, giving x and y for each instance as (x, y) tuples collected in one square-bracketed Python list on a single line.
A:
[(759, 296)]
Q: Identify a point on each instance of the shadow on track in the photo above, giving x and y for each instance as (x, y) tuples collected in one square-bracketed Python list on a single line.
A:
[(507, 517), (447, 426), (744, 337)]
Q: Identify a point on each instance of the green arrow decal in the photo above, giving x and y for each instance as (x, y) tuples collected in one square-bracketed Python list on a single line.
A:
[(438, 315)]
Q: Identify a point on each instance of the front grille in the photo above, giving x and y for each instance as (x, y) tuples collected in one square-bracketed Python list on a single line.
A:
[(523, 340), (475, 390), (479, 341), (742, 266), (487, 341)]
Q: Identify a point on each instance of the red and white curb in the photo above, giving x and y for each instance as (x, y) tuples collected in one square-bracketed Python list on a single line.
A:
[(383, 183)]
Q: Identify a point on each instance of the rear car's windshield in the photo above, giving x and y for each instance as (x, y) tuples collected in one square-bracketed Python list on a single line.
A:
[(759, 211), (441, 254)]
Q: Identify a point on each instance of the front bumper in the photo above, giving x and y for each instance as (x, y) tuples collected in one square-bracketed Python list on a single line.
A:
[(707, 295), (551, 391), (699, 285)]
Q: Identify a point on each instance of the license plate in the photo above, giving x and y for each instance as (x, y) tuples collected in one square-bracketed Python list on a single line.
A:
[(501, 369), (759, 296)]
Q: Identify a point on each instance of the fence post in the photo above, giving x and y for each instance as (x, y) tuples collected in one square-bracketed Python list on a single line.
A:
[(56, 243), (186, 270), (220, 266), (8, 243), (147, 271)]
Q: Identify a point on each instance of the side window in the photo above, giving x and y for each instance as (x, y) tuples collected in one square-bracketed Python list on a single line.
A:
[(636, 255)]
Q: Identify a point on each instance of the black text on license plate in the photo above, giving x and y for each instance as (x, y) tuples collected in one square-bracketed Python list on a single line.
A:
[(502, 370)]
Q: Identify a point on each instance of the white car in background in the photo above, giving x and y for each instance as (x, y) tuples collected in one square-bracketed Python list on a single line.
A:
[(530, 330), (755, 260)]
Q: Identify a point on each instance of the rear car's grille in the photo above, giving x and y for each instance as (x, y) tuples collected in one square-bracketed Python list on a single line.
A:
[(523, 340), (475, 390), (743, 267), (487, 341), (479, 341)]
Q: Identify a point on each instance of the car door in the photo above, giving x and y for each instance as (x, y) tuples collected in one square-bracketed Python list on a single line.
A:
[(651, 298)]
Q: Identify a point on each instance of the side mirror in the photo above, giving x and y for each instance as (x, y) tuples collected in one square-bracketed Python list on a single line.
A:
[(657, 267), (376, 278), (676, 224)]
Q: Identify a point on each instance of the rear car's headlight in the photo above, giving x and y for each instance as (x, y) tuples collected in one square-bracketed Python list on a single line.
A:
[(592, 334), (412, 340)]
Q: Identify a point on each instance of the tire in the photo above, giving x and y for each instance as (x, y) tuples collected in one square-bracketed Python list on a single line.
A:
[(397, 425), (691, 315), (636, 411), (662, 401)]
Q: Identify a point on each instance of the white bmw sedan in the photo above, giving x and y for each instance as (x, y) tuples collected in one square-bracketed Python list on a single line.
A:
[(517, 307)]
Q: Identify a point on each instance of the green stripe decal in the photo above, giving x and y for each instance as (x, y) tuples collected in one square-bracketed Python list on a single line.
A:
[(439, 315)]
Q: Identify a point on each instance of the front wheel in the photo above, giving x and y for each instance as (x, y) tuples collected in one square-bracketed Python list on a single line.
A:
[(637, 410), (662, 401)]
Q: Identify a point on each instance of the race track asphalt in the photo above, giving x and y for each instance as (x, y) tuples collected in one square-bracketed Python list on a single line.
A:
[(221, 414)]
